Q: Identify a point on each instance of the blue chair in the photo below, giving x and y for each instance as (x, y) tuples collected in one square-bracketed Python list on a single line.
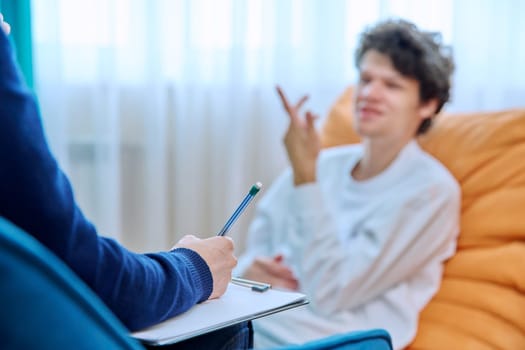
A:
[(44, 305)]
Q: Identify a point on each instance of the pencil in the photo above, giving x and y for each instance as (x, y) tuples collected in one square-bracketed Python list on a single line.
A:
[(253, 191)]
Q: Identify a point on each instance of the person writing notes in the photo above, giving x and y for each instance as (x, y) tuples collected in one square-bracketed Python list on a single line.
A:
[(362, 230), (35, 195)]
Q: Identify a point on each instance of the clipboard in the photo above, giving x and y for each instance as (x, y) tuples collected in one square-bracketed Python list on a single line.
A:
[(238, 304)]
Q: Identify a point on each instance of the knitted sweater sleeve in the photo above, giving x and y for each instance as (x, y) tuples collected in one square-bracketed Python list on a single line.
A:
[(141, 289)]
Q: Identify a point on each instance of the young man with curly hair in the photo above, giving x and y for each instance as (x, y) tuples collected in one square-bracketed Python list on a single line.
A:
[(363, 230)]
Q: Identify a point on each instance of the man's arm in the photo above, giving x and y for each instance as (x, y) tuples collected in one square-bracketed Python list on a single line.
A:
[(343, 274), (36, 196)]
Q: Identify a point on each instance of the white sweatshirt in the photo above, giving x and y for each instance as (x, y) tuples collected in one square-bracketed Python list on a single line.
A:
[(368, 254)]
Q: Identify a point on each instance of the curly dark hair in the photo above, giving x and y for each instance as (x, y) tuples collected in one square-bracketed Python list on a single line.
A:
[(415, 54)]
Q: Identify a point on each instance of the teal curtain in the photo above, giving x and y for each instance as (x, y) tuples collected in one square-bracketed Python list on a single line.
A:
[(18, 14)]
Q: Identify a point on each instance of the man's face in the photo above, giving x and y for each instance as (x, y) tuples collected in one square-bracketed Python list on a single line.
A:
[(387, 104)]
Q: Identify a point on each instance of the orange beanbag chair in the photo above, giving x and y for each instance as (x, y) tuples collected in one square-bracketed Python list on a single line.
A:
[(481, 302)]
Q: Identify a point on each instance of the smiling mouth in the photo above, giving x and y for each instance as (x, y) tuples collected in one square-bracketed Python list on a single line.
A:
[(368, 113)]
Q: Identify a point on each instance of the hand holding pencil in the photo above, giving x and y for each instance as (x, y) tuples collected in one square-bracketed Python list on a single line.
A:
[(218, 251)]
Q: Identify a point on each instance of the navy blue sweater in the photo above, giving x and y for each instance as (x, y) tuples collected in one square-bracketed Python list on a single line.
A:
[(141, 289)]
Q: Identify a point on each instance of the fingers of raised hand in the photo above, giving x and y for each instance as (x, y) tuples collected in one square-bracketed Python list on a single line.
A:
[(283, 98), (310, 119), (301, 102), (292, 110)]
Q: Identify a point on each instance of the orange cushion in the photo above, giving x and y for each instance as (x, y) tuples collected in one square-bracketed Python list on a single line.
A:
[(481, 302)]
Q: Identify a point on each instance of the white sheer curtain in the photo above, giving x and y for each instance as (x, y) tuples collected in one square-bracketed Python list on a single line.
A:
[(164, 113)]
